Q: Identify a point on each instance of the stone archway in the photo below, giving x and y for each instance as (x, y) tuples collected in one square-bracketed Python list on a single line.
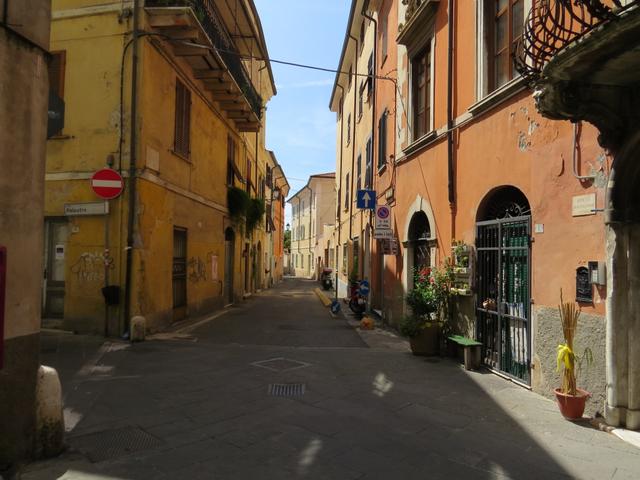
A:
[(622, 219), (503, 281), (419, 235)]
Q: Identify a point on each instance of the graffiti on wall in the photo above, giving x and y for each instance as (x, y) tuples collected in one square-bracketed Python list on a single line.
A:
[(197, 270), (203, 269), (90, 267)]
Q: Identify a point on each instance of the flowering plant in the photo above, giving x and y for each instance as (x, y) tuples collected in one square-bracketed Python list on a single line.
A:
[(430, 294)]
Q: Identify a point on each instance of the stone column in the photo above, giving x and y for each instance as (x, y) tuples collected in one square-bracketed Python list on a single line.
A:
[(617, 311), (632, 327)]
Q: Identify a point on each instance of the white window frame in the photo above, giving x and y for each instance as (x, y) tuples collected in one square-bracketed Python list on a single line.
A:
[(482, 52), (412, 51)]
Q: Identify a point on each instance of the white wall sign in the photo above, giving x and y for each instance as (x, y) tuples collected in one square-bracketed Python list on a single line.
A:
[(90, 208), (384, 234), (214, 267), (383, 217), (583, 205)]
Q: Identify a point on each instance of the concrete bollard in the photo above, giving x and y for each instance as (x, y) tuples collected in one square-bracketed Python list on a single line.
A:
[(49, 419), (138, 325)]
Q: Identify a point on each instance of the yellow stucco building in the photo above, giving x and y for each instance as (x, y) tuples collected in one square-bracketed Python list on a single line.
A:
[(171, 94)]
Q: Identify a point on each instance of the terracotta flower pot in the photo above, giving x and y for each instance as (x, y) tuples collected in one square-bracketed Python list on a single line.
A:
[(426, 343), (572, 406)]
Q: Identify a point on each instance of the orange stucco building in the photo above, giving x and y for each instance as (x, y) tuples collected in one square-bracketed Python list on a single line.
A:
[(463, 158)]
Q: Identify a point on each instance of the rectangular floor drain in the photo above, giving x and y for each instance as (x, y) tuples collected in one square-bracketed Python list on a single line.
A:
[(286, 389), (110, 444)]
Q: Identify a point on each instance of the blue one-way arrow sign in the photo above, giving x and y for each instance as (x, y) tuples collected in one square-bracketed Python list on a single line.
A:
[(366, 199)]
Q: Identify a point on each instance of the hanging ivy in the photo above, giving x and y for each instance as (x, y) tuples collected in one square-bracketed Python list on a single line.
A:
[(255, 213), (238, 203)]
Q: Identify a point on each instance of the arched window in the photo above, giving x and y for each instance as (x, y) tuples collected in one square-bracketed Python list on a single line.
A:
[(419, 234)]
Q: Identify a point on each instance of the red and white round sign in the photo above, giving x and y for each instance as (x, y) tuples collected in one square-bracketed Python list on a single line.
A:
[(107, 183)]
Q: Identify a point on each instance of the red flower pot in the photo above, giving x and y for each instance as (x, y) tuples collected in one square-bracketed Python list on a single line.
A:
[(572, 406)]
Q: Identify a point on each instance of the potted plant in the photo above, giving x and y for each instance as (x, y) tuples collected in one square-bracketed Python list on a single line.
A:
[(571, 399), (428, 302)]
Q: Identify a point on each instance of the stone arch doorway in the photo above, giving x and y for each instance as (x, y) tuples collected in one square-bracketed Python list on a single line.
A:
[(419, 240), (229, 254), (503, 281), (622, 219)]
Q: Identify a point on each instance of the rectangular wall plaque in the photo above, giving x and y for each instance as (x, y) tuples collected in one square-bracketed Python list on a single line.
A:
[(89, 208), (583, 205)]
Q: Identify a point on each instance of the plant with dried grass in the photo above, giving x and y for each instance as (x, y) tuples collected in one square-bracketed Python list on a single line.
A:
[(569, 315)]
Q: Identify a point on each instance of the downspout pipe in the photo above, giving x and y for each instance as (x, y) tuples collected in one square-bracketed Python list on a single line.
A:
[(132, 165), (450, 152), (339, 216), (353, 140), (310, 225), (374, 70)]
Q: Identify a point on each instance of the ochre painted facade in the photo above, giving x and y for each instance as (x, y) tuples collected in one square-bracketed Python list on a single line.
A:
[(178, 195)]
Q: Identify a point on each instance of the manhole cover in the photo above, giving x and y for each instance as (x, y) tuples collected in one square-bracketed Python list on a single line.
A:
[(110, 444), (280, 364), (286, 389)]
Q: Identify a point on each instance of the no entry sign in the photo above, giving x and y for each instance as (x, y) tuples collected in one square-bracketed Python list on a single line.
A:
[(107, 183)]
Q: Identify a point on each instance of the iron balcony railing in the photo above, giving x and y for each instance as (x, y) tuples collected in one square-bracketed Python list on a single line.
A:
[(206, 14), (553, 24)]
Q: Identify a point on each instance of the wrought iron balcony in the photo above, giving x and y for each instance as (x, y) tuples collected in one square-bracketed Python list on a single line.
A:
[(554, 24), (212, 65)]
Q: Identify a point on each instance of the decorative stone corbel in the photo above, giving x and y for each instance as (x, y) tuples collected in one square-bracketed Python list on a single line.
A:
[(613, 110)]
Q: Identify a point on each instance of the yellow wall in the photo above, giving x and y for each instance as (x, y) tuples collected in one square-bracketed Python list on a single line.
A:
[(171, 191), (90, 136)]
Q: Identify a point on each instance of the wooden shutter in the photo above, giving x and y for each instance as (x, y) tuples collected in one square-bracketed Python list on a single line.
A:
[(183, 119), (57, 66)]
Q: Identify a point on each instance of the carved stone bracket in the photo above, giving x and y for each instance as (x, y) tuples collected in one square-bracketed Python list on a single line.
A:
[(614, 110)]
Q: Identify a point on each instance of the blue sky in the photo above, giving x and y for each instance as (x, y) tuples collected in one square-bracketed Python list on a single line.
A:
[(300, 127)]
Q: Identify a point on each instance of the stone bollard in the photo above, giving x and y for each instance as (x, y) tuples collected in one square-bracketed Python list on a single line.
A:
[(138, 325), (49, 419)]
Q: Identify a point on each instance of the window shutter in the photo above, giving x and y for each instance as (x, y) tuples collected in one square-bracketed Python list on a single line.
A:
[(57, 66), (182, 119)]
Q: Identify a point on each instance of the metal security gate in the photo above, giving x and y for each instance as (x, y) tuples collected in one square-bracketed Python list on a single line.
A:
[(504, 295)]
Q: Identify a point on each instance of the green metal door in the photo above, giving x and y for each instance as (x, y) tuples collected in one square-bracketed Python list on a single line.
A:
[(504, 295)]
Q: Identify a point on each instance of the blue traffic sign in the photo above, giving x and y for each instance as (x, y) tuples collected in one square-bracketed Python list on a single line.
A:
[(366, 199), (363, 288)]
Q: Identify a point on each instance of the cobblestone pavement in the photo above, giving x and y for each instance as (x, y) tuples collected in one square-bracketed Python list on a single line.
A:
[(277, 388)]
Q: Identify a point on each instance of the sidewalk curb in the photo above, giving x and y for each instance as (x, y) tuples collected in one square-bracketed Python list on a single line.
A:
[(323, 298)]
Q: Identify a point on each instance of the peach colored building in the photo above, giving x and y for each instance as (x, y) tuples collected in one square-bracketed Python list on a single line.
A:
[(465, 157)]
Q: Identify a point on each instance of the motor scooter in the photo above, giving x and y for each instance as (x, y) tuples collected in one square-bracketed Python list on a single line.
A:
[(357, 301), (325, 278)]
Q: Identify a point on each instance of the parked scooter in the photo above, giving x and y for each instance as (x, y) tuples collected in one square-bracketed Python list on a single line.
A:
[(357, 301), (326, 279)]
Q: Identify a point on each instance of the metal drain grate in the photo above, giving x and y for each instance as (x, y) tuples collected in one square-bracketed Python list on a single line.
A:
[(110, 444), (286, 389)]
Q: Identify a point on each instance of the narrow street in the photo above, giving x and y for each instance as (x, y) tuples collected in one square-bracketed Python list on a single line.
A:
[(204, 403)]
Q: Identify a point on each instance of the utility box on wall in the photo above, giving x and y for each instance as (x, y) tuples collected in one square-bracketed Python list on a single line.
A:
[(3, 288)]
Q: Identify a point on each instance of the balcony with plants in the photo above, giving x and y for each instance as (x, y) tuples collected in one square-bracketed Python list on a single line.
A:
[(197, 33)]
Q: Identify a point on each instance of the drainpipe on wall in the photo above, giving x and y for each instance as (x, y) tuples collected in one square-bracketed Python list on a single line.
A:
[(340, 182), (374, 69), (132, 165), (450, 152), (310, 226), (353, 142)]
